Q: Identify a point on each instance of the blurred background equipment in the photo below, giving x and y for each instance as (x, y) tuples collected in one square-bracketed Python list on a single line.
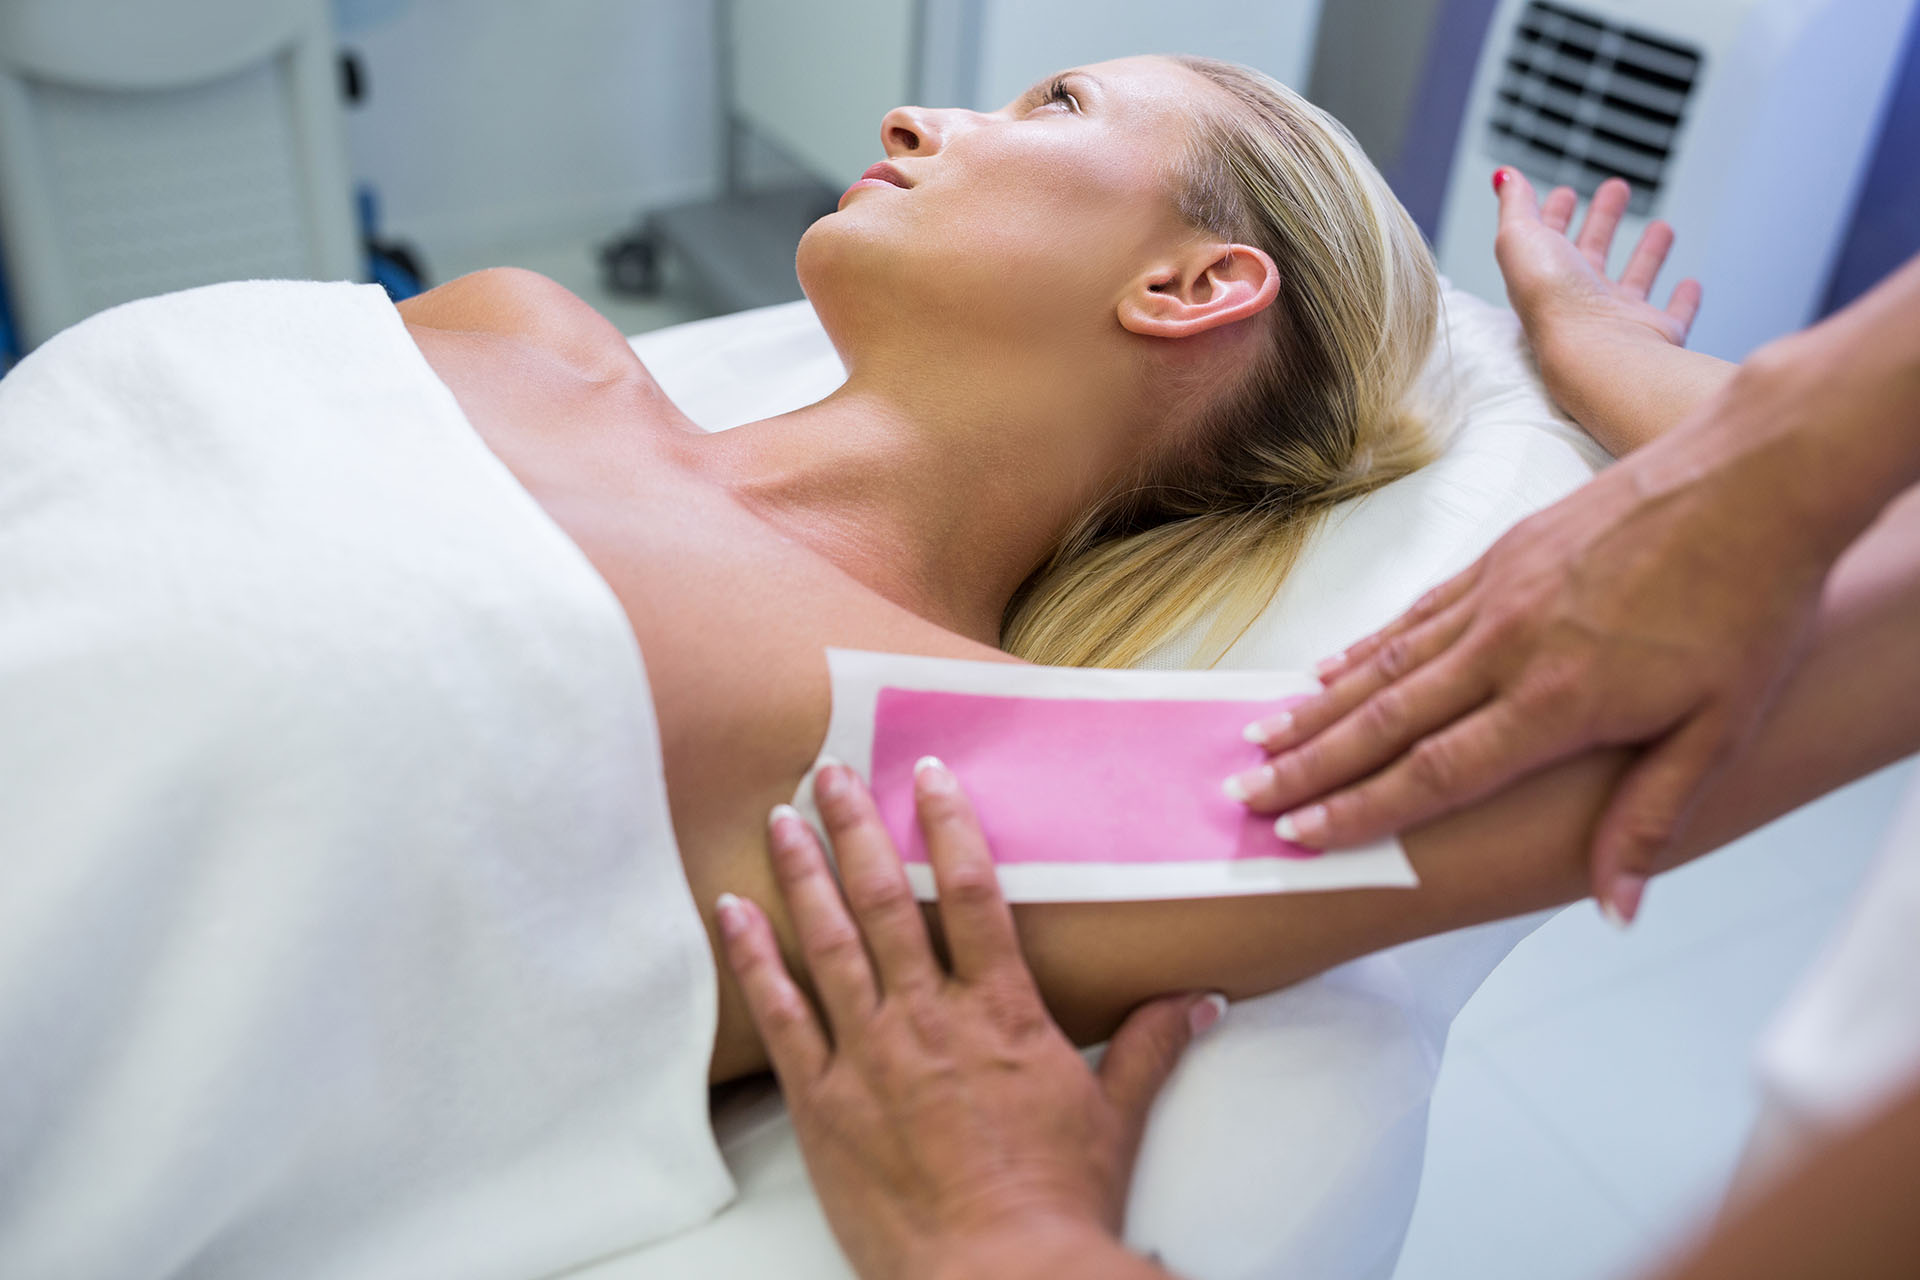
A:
[(802, 89), (148, 147), (1747, 124), (499, 132)]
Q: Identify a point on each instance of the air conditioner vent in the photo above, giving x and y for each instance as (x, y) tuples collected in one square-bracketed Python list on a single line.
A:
[(1582, 99)]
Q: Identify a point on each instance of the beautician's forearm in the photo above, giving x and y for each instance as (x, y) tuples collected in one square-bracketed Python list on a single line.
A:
[(1852, 705), (1852, 387), (1847, 1210), (1044, 1251)]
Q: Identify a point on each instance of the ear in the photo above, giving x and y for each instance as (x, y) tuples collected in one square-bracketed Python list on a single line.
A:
[(1211, 285)]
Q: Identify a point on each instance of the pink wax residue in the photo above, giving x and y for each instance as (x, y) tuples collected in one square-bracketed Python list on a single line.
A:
[(1080, 780)]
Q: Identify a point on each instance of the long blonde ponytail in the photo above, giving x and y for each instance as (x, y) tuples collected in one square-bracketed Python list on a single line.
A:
[(1332, 410)]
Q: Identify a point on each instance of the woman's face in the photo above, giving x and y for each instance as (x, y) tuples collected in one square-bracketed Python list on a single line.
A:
[(1030, 221)]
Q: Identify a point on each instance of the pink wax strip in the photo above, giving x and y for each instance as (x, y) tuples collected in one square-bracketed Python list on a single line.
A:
[(1060, 780)]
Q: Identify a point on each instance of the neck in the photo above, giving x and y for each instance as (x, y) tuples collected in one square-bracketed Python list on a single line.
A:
[(934, 495)]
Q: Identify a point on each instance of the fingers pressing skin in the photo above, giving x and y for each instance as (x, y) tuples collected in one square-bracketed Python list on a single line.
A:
[(1144, 1051), (1460, 764), (1383, 660), (974, 915), (873, 879), (1647, 811), (1434, 601), (829, 940), (796, 1043), (1398, 724)]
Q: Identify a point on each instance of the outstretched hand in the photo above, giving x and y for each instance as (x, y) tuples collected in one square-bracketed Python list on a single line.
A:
[(1557, 284), (938, 1106)]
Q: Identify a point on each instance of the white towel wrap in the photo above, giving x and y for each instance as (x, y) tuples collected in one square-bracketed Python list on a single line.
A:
[(343, 931)]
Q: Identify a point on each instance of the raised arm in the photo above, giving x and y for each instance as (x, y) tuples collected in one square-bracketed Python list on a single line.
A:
[(1851, 706), (951, 1133), (1611, 356)]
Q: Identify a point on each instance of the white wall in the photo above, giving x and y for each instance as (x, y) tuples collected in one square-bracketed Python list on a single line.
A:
[(489, 121), (818, 77), (1023, 40)]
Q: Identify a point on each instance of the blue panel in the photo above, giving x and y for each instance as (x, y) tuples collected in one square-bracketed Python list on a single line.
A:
[(1886, 221), (9, 346), (1419, 173)]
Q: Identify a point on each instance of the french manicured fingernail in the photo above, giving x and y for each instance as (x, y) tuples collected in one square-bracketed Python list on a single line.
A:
[(1329, 666), (1241, 786), (1265, 731), (1206, 1011), (829, 778), (1306, 826), (1622, 903), (780, 811), (732, 917), (930, 773)]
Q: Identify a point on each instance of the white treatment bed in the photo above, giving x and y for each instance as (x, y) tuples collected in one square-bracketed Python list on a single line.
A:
[(1290, 1141)]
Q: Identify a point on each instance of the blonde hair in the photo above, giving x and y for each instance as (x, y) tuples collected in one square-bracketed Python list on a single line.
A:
[(1330, 410)]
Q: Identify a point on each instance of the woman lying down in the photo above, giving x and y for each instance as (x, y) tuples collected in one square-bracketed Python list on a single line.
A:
[(347, 927)]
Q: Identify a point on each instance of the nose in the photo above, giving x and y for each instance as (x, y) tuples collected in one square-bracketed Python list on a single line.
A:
[(918, 131)]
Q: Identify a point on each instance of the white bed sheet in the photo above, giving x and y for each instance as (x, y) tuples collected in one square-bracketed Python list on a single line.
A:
[(1289, 1142)]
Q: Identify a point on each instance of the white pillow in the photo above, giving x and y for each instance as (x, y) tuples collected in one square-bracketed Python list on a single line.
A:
[(1290, 1140)]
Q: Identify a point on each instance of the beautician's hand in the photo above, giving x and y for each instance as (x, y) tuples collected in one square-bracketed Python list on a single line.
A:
[(1658, 606), (949, 1127)]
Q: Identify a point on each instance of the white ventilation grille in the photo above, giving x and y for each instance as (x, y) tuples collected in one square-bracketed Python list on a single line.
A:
[(157, 191), (1582, 99)]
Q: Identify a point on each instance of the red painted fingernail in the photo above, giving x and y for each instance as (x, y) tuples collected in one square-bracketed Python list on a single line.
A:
[(1500, 175)]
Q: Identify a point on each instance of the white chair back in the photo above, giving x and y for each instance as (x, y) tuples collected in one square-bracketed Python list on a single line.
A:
[(147, 147)]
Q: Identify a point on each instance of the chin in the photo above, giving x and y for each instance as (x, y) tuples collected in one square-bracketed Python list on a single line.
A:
[(812, 261), (846, 272)]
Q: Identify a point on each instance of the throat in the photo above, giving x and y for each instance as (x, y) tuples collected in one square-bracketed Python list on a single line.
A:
[(943, 515), (947, 579)]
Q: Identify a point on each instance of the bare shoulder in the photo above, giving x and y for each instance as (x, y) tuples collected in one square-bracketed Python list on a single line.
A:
[(516, 303)]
